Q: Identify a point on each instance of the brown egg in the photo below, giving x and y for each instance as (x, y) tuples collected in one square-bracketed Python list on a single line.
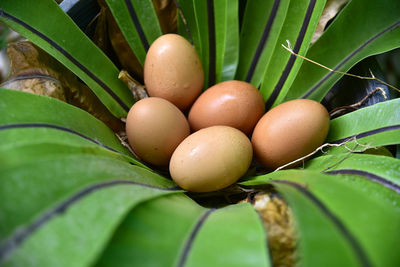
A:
[(173, 71), (232, 103), (155, 127), (211, 159), (290, 131)]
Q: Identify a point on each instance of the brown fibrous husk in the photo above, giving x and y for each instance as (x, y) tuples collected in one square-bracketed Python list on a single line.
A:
[(278, 221), (35, 71)]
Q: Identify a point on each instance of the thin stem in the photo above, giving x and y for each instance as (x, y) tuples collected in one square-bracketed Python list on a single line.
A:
[(288, 48), (184, 21), (359, 103), (320, 148)]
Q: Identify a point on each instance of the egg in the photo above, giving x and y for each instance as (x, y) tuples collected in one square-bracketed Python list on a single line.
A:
[(173, 71), (154, 128), (289, 131), (211, 159), (232, 103)]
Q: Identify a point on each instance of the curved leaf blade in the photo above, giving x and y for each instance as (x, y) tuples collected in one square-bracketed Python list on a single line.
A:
[(203, 11), (320, 239), (214, 31), (382, 118), (380, 169), (78, 235), (298, 28), (153, 234), (46, 180), (258, 36), (26, 110), (50, 185), (226, 39), (138, 23), (188, 26), (22, 145), (81, 56), (361, 38), (241, 244), (175, 231), (352, 200)]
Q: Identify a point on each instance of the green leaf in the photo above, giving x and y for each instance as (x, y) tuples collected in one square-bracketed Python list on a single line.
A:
[(226, 39), (214, 28), (196, 17), (25, 110), (320, 239), (68, 44), (373, 126), (201, 9), (44, 180), (175, 231), (189, 28), (369, 140), (298, 28), (15, 154), (78, 236), (376, 125), (20, 145), (361, 212), (138, 22), (381, 169), (381, 115), (262, 23), (243, 243), (350, 38), (153, 234), (59, 213)]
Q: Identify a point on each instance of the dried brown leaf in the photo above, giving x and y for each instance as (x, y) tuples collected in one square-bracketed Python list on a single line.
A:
[(123, 51), (35, 71), (31, 71), (167, 15), (100, 36), (36, 84), (332, 8), (279, 224), (110, 39), (138, 90)]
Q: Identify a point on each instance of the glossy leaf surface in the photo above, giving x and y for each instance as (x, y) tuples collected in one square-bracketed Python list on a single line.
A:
[(29, 111), (350, 38), (24, 145), (258, 36), (346, 202), (381, 169), (299, 25), (374, 125), (175, 231), (214, 30), (241, 244), (138, 22), (226, 39), (77, 235)]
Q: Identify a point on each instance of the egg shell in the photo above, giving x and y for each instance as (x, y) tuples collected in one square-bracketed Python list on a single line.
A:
[(289, 131), (232, 103), (211, 159), (173, 71), (154, 128)]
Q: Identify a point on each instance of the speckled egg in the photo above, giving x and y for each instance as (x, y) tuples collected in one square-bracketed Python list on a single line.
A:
[(154, 128), (211, 159), (232, 103), (289, 131), (173, 71)]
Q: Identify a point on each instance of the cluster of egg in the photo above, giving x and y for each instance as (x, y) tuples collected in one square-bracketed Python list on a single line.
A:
[(221, 119)]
